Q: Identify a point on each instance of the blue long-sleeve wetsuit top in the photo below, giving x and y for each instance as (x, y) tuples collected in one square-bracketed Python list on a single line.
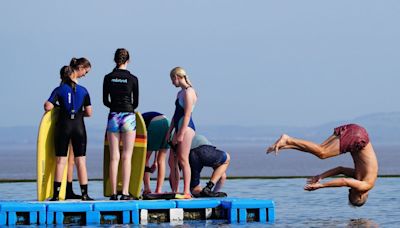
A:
[(70, 100)]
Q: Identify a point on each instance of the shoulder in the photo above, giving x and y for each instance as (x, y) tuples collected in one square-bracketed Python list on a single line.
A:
[(61, 88), (58, 87), (190, 91), (82, 88), (111, 73), (132, 76)]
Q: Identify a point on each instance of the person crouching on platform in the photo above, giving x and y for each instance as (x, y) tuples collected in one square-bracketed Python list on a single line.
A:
[(204, 154)]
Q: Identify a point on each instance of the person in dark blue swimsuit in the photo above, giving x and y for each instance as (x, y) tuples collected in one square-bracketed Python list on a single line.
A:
[(184, 127), (74, 103)]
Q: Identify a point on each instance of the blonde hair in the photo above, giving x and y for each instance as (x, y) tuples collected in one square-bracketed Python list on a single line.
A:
[(181, 73)]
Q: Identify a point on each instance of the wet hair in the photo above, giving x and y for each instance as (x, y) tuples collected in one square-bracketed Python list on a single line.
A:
[(356, 201), (121, 56), (75, 63), (65, 74), (181, 73)]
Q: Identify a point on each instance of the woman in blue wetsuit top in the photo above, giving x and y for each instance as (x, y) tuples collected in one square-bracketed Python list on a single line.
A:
[(121, 95), (183, 124), (74, 102)]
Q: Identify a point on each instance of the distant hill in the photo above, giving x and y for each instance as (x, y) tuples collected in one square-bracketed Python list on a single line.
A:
[(384, 128)]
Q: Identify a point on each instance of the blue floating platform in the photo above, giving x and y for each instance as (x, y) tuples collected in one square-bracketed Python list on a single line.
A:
[(129, 212)]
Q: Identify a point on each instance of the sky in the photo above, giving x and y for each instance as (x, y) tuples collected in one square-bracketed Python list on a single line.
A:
[(259, 62)]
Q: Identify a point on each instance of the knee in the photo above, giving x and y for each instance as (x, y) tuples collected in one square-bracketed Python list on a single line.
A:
[(114, 158), (183, 162), (322, 153), (160, 162), (61, 160), (79, 161), (125, 158)]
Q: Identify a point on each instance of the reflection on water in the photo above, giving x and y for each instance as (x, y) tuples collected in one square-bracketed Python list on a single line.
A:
[(364, 223)]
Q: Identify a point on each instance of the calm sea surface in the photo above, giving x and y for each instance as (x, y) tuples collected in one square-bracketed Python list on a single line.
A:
[(294, 206)]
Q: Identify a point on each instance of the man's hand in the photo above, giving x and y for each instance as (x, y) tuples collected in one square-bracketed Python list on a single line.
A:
[(312, 187), (314, 179)]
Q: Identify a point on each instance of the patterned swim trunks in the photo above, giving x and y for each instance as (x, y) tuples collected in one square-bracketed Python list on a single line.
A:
[(121, 122), (353, 137)]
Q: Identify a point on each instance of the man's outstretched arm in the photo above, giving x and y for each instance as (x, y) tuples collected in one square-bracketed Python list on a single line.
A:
[(349, 172), (340, 182)]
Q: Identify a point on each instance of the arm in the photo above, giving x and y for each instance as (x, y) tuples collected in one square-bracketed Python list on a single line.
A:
[(340, 182), (154, 165), (88, 111), (171, 127), (332, 172), (106, 93), (48, 106), (189, 98), (135, 93), (87, 106)]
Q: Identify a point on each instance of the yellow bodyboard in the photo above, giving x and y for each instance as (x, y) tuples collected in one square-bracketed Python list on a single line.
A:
[(138, 162), (46, 158)]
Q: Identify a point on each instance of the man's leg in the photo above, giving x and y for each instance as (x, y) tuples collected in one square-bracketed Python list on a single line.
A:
[(329, 148)]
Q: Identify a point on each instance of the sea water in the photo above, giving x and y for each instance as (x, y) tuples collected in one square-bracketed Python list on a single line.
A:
[(294, 206)]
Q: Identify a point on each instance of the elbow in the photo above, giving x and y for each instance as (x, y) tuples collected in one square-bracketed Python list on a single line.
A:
[(344, 182), (88, 111), (106, 103)]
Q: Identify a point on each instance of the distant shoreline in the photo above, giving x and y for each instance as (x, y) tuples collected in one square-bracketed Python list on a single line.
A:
[(205, 178)]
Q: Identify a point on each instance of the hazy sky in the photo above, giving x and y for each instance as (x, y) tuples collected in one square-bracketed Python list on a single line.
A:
[(252, 62)]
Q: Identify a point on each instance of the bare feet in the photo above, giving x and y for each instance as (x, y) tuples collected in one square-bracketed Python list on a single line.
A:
[(281, 142)]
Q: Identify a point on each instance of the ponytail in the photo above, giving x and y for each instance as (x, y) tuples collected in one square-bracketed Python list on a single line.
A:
[(65, 76), (75, 63), (187, 80)]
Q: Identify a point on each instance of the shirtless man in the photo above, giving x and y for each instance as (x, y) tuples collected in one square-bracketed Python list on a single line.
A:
[(348, 138)]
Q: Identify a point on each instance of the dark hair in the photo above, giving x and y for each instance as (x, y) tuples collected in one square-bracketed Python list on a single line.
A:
[(121, 56), (65, 73), (357, 202), (75, 63)]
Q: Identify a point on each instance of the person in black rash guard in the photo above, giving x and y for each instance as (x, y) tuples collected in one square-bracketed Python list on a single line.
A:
[(121, 95), (74, 102)]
